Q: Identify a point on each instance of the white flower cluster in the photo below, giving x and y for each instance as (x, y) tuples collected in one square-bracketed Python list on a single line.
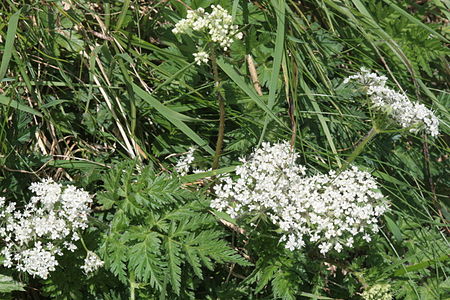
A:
[(184, 163), (91, 263), (406, 113), (218, 25), (331, 209), (378, 292), (201, 57), (47, 225)]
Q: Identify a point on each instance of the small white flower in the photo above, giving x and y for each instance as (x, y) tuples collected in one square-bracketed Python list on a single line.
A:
[(367, 237), (184, 163), (325, 247), (201, 57), (91, 263)]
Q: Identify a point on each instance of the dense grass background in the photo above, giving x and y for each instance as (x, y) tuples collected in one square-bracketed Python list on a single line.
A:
[(88, 84)]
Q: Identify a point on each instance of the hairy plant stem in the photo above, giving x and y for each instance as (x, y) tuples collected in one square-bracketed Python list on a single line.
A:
[(221, 101), (83, 243), (360, 147), (132, 286)]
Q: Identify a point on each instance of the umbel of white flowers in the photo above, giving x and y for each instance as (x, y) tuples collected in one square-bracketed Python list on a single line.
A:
[(184, 163), (46, 226), (217, 26), (378, 292), (332, 210), (91, 263), (407, 114)]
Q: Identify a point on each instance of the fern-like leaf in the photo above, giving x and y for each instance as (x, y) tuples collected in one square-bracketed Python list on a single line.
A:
[(115, 256), (173, 263), (283, 287), (146, 262)]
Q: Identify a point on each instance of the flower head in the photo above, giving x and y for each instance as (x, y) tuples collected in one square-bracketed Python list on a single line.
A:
[(378, 292), (328, 209), (407, 114), (184, 163), (91, 263), (48, 224), (201, 57), (217, 25)]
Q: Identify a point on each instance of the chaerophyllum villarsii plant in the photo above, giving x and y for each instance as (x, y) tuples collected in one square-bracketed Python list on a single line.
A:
[(330, 210), (46, 227), (211, 30), (185, 163), (390, 106)]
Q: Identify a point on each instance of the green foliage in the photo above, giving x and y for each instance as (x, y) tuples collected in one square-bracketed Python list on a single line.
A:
[(158, 231), (423, 48), (7, 284)]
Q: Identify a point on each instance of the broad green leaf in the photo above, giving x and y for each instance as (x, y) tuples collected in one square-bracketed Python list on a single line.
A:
[(224, 216), (312, 296), (393, 228), (9, 43), (14, 104), (123, 14), (421, 265), (75, 164), (197, 176)]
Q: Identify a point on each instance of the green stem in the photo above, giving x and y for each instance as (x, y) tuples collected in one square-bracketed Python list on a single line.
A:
[(132, 286), (370, 135), (82, 243), (221, 101)]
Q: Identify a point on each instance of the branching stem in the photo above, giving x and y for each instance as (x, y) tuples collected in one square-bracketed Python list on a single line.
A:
[(360, 147), (83, 243)]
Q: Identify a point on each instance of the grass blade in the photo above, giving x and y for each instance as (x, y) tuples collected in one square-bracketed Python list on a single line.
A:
[(172, 116), (280, 10), (322, 121), (197, 176), (9, 43), (14, 104), (246, 88)]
